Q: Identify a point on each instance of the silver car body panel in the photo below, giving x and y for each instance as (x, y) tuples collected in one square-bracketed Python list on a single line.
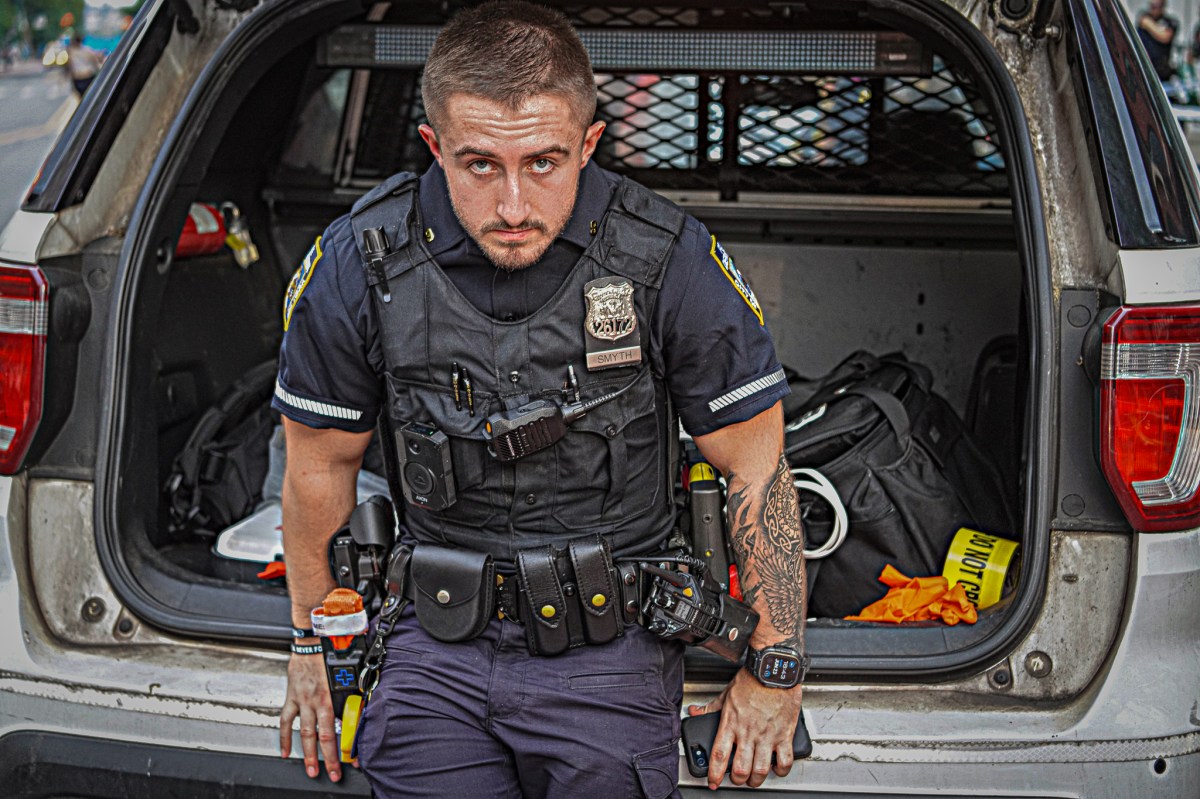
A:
[(1147, 277), (21, 241)]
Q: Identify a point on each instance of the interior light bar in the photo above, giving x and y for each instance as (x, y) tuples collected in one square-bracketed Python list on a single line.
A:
[(664, 51)]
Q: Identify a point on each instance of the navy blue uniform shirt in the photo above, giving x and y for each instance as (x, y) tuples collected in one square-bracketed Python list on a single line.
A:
[(718, 356)]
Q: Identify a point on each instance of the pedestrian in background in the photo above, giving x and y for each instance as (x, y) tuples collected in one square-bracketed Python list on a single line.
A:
[(82, 64), (1157, 32)]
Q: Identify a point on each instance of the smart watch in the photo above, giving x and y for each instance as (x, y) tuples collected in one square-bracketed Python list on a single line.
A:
[(777, 666)]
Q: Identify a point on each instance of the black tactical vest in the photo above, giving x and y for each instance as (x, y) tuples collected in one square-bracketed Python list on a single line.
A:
[(613, 472)]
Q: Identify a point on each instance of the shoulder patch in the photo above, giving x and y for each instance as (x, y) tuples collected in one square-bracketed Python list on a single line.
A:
[(300, 281), (735, 277)]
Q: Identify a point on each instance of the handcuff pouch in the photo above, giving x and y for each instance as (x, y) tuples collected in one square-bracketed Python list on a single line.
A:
[(453, 591)]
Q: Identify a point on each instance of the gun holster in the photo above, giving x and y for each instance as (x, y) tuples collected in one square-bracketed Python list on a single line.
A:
[(358, 551)]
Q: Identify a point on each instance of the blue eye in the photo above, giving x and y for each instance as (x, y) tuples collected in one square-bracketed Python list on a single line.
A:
[(542, 165)]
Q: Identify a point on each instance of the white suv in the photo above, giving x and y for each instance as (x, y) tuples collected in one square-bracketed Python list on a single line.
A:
[(996, 189)]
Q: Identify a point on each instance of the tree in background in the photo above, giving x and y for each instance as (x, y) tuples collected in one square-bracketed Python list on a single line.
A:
[(33, 23)]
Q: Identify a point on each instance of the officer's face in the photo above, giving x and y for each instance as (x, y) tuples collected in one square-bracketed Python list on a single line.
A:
[(512, 174)]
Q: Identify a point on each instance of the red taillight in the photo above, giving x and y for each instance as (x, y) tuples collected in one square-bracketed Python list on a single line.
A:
[(24, 306), (1150, 415)]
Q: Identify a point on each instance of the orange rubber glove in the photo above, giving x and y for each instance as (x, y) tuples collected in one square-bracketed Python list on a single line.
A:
[(919, 599)]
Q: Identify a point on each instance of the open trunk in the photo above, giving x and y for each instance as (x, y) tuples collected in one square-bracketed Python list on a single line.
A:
[(880, 201)]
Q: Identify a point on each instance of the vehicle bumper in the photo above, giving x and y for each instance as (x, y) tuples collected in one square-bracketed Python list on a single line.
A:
[(155, 710)]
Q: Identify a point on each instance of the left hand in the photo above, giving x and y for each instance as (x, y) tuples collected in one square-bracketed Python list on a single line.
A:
[(759, 721)]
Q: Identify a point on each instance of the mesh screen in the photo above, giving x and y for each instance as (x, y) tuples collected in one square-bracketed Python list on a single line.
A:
[(929, 134), (910, 135)]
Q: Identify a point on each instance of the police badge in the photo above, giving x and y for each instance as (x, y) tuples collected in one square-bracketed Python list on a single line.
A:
[(611, 324)]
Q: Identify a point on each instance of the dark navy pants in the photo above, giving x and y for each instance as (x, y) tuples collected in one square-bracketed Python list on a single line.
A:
[(484, 718)]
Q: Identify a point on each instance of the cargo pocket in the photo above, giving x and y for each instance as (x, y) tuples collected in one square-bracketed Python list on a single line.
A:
[(658, 771)]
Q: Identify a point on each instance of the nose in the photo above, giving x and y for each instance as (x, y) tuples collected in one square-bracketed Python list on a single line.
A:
[(513, 208)]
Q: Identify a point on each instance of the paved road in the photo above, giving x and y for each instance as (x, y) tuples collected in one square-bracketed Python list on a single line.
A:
[(35, 103)]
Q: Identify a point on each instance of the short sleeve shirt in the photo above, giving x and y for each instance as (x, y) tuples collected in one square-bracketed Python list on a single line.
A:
[(707, 329)]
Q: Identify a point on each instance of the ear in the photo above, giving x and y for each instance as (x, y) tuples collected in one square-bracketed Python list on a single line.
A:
[(591, 137), (431, 139)]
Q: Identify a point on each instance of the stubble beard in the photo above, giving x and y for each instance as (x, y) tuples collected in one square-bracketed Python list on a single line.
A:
[(517, 256)]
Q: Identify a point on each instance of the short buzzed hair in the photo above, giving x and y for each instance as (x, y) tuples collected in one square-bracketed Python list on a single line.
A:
[(507, 52)]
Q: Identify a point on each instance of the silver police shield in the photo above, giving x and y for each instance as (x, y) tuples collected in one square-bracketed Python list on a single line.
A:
[(610, 324)]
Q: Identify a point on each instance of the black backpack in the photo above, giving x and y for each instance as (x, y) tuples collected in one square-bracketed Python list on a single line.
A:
[(905, 467), (217, 478)]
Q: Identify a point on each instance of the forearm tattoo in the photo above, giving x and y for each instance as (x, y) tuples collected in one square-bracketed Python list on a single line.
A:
[(764, 525)]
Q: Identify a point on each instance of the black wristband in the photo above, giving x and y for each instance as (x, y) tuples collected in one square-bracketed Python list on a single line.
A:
[(303, 632), (306, 649)]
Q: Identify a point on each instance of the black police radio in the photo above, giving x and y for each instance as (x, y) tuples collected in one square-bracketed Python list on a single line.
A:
[(426, 474)]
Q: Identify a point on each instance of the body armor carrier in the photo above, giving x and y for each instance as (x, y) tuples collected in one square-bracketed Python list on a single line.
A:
[(612, 473)]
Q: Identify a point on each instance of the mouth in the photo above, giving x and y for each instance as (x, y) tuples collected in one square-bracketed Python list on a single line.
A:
[(517, 236)]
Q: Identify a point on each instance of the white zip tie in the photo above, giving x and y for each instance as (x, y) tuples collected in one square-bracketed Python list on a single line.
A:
[(819, 484)]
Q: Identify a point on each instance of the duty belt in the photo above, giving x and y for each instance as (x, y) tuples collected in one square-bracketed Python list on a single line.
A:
[(597, 584), (508, 587), (563, 598)]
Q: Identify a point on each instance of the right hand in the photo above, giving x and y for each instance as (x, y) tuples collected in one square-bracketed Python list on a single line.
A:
[(308, 698)]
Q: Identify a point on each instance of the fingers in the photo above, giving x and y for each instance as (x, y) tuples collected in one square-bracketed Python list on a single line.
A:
[(308, 740), (328, 740), (308, 699), (757, 724), (749, 765), (711, 707), (719, 757), (286, 717), (760, 765), (783, 759), (319, 742)]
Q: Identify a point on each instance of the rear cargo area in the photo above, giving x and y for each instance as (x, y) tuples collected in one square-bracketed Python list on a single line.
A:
[(868, 206)]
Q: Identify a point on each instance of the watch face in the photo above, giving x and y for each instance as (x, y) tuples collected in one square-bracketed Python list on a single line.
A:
[(779, 669)]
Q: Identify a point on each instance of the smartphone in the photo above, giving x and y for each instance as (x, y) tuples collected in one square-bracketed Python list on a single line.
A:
[(700, 731)]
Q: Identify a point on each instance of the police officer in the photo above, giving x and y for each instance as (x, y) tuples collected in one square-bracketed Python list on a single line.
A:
[(514, 269)]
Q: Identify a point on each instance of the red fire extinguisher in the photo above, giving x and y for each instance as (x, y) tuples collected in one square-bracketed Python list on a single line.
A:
[(203, 232)]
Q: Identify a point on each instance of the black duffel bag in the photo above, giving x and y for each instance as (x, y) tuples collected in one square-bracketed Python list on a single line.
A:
[(904, 466)]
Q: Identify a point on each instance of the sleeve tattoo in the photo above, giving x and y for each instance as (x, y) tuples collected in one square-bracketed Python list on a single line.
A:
[(768, 540)]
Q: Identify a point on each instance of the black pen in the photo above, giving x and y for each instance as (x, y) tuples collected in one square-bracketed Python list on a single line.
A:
[(574, 382), (454, 385)]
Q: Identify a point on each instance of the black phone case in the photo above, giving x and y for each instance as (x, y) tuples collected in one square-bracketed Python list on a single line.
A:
[(700, 731)]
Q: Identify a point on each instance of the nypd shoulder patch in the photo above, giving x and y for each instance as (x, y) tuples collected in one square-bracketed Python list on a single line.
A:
[(735, 277), (300, 281)]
